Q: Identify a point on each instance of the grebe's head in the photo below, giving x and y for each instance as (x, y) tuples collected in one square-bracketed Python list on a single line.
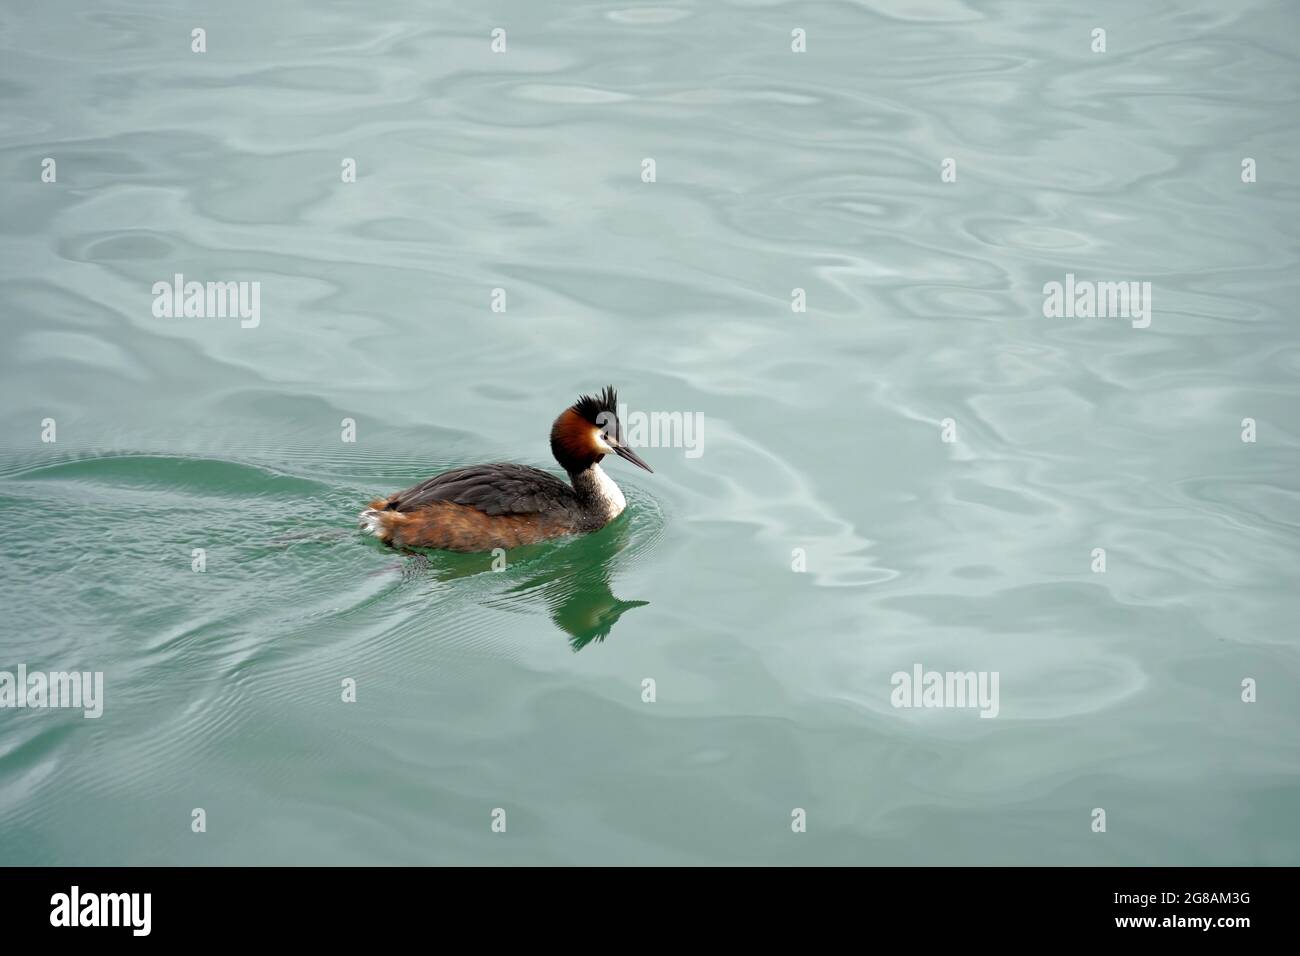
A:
[(588, 430)]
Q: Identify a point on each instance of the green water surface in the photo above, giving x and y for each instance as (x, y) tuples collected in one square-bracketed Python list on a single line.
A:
[(824, 538)]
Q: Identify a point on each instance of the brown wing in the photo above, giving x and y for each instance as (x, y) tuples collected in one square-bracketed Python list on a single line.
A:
[(503, 489)]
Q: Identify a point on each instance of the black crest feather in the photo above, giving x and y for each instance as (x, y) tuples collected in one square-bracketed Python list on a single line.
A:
[(590, 407)]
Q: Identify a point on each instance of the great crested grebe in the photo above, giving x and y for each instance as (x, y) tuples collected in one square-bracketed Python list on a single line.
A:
[(483, 507)]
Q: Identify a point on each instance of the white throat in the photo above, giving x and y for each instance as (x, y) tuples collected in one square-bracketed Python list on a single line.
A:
[(608, 493)]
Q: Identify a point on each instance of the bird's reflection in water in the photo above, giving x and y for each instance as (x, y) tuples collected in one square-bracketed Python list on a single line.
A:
[(571, 580)]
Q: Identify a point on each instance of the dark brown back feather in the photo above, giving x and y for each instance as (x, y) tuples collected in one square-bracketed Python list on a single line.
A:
[(499, 489)]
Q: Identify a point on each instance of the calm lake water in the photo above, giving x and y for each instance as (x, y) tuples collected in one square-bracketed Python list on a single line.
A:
[(914, 470)]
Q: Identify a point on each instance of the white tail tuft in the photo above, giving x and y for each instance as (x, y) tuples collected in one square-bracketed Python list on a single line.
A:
[(371, 522)]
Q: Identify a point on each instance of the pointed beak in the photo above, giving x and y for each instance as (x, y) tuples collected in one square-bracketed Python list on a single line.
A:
[(624, 452)]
